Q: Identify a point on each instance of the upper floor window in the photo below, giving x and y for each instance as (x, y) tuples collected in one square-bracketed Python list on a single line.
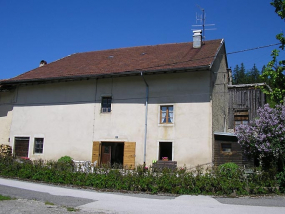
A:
[(106, 104), (241, 117), (166, 114)]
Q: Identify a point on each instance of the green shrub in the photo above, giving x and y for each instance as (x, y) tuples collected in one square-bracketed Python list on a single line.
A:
[(281, 180), (228, 170), (65, 159), (224, 180), (64, 163)]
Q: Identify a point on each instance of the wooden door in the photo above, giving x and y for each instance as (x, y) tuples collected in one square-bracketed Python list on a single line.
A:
[(129, 155), (96, 152), (106, 154), (22, 146)]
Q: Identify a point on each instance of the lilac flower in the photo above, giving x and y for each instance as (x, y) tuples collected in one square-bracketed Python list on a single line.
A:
[(266, 134)]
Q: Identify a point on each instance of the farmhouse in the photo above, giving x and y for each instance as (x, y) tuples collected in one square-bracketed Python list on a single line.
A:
[(124, 106)]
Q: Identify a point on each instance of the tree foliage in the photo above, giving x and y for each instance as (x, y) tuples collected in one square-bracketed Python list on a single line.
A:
[(264, 137), (279, 7), (274, 73)]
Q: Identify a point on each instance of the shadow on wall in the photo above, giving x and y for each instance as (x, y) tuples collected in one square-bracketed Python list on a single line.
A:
[(168, 88), (4, 109)]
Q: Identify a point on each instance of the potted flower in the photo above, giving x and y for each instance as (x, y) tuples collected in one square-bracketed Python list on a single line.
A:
[(165, 158)]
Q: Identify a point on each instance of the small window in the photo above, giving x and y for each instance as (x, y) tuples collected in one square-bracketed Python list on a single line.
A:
[(165, 151), (166, 114), (226, 147), (240, 117), (106, 104), (39, 145)]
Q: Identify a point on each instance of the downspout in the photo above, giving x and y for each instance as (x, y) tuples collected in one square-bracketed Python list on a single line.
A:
[(146, 109)]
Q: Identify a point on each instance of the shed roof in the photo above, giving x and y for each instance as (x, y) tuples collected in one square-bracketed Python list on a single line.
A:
[(166, 57)]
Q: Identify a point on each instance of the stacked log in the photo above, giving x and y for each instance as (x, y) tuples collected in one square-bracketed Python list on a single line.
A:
[(5, 150)]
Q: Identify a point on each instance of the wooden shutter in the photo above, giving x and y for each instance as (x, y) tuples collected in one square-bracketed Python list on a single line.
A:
[(96, 152), (129, 155)]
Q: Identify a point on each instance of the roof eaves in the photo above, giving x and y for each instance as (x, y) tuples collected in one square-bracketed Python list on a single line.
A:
[(256, 85), (217, 52), (246, 85), (225, 134), (106, 75)]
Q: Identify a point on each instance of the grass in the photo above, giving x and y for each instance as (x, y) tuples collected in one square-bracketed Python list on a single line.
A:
[(49, 203), (71, 209), (2, 198)]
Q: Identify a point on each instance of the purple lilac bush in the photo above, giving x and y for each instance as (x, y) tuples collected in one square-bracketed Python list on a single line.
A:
[(265, 136)]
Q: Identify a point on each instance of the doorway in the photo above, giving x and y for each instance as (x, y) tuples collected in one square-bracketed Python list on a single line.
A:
[(21, 146), (119, 154), (112, 153)]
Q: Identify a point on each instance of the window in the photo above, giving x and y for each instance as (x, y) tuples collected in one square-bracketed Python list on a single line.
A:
[(39, 144), (240, 117), (106, 104), (166, 114), (165, 150), (226, 147)]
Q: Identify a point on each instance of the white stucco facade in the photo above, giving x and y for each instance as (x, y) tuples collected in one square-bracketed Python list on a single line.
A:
[(68, 116)]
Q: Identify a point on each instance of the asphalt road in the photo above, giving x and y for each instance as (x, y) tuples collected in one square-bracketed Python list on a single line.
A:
[(32, 198)]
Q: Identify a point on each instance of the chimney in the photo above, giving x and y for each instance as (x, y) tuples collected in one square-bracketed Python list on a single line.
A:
[(197, 38), (42, 63)]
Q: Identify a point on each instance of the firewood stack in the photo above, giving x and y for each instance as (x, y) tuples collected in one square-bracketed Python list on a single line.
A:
[(5, 150)]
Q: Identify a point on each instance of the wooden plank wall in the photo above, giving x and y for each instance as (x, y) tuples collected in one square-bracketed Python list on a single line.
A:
[(235, 156), (247, 98)]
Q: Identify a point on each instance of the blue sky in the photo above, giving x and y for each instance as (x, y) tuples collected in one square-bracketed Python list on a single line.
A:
[(35, 30)]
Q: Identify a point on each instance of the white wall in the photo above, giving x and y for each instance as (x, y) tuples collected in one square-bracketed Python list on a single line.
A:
[(61, 113)]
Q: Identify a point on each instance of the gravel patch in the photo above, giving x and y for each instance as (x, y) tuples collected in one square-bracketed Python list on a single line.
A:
[(25, 206), (67, 201)]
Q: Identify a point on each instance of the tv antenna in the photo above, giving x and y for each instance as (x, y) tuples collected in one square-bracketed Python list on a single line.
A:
[(202, 19)]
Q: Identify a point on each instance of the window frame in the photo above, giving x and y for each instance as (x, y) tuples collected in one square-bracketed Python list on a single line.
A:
[(161, 142), (241, 116), (227, 146), (108, 108), (41, 144), (167, 115), (17, 139)]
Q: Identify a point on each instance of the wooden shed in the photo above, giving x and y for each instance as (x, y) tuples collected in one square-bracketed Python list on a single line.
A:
[(227, 149), (244, 100)]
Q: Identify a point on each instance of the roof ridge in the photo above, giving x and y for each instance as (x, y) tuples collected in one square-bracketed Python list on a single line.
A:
[(133, 47)]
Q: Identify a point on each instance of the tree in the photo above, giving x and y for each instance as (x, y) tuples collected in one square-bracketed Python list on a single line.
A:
[(274, 72), (239, 75), (235, 75), (253, 75), (264, 137)]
